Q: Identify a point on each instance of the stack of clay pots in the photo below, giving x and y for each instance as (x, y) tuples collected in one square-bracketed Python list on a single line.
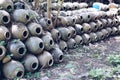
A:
[(30, 41)]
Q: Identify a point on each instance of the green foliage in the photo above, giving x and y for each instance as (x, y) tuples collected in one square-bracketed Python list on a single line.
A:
[(2, 43), (116, 70), (114, 59), (97, 73)]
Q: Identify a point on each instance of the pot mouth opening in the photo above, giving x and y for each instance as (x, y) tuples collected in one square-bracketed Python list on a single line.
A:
[(50, 62), (1, 51), (9, 8), (51, 42), (60, 58), (7, 35), (38, 30), (34, 65), (5, 19), (30, 0), (65, 49), (19, 74), (74, 45), (89, 40), (27, 17), (81, 41), (68, 35), (41, 45), (88, 16), (25, 34), (49, 22), (23, 6), (21, 50)]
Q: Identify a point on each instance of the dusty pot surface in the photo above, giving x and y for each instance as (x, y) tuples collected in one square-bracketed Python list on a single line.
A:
[(45, 59), (35, 45), (13, 69), (30, 62), (4, 33), (17, 48), (19, 31), (48, 42)]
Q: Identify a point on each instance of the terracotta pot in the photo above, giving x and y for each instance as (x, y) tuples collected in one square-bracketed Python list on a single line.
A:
[(35, 29), (45, 59), (78, 39), (93, 37), (99, 24), (17, 48), (65, 33), (30, 62), (100, 35), (72, 31), (55, 35), (57, 55), (48, 42), (19, 31), (86, 28), (94, 26), (63, 45), (79, 29), (7, 5), (4, 33), (13, 69), (71, 43), (4, 17), (86, 38), (19, 5), (21, 15), (35, 45)]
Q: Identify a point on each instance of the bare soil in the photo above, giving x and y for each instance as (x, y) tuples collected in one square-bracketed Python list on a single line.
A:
[(78, 62)]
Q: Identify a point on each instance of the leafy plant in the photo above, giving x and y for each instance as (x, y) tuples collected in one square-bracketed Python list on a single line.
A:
[(114, 59), (116, 70), (97, 73)]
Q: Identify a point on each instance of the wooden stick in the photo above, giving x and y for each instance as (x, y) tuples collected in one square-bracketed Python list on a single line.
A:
[(36, 4), (58, 13), (49, 9)]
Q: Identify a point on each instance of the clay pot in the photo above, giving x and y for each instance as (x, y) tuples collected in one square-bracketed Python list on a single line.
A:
[(86, 28), (71, 43), (55, 35), (21, 15), (79, 29), (72, 31), (100, 35), (94, 26), (110, 22), (109, 30), (63, 45), (61, 21), (104, 22), (86, 17), (99, 24), (105, 33), (57, 55), (19, 31), (48, 42), (45, 60), (6, 5), (19, 5), (35, 45), (114, 31), (70, 21), (4, 17), (93, 37), (78, 39), (30, 62), (17, 48), (13, 69), (35, 29), (4, 33), (2, 52), (86, 38), (46, 23), (65, 33)]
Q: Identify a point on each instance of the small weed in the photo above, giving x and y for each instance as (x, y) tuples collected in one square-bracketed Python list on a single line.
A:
[(116, 70), (97, 74), (114, 59)]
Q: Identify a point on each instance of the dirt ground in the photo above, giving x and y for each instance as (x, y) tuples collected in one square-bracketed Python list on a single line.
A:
[(79, 62)]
